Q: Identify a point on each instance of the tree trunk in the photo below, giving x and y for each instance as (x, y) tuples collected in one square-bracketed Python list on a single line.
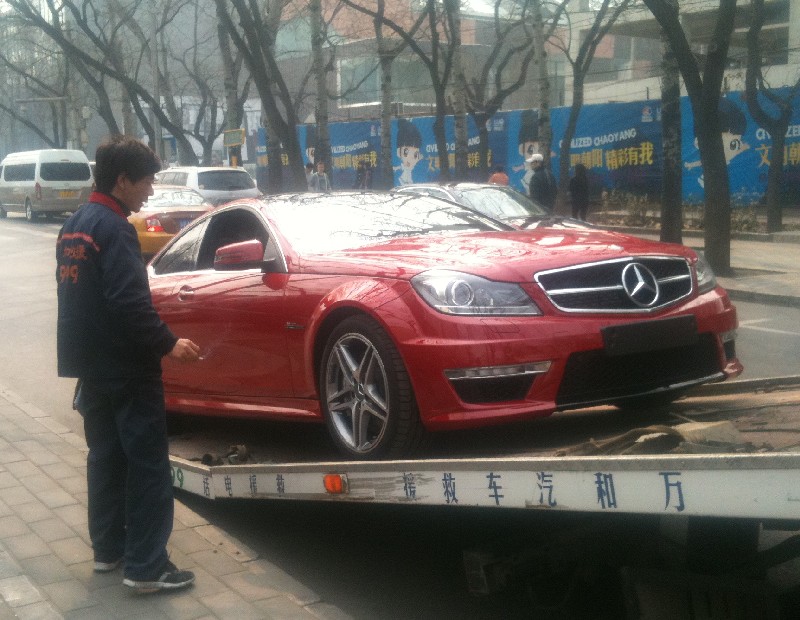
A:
[(387, 174), (542, 84), (717, 223), (453, 9), (322, 152), (672, 192), (775, 175)]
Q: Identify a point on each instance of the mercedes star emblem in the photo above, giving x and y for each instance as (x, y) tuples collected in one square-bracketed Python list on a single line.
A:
[(640, 285)]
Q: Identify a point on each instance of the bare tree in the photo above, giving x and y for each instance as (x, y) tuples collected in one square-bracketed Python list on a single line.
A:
[(389, 49), (437, 57), (605, 16), (97, 44), (253, 30), (489, 86), (34, 89), (235, 97), (540, 38), (775, 122), (45, 75), (704, 94)]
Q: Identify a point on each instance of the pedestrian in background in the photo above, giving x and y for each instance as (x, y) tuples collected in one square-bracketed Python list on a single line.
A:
[(579, 192), (111, 338), (543, 188), (309, 174), (319, 180), (363, 176), (499, 176)]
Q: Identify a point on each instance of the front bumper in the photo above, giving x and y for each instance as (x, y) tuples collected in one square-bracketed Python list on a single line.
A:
[(573, 367)]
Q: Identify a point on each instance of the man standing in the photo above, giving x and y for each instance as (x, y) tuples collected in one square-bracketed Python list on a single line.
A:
[(543, 187), (111, 338), (319, 180)]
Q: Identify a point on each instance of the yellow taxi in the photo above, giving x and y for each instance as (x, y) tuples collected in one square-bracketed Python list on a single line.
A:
[(165, 213)]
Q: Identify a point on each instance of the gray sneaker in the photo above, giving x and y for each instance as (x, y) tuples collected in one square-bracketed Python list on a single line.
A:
[(106, 567), (171, 579)]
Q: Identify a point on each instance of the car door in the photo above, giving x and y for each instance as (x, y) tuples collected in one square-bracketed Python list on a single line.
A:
[(236, 317)]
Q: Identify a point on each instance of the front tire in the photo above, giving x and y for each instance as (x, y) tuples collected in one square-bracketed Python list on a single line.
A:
[(366, 394)]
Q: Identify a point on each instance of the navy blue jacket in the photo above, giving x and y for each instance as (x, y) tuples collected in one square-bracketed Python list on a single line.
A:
[(107, 325)]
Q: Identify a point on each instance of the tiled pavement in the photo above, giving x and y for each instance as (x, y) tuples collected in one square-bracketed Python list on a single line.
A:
[(46, 558)]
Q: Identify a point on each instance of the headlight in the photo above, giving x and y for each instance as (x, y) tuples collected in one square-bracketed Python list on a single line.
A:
[(706, 280), (452, 292)]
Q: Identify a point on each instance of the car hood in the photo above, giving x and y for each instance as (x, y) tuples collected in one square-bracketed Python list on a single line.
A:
[(505, 256)]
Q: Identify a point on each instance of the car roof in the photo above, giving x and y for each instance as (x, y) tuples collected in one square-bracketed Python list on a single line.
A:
[(201, 168), (170, 186), (454, 184)]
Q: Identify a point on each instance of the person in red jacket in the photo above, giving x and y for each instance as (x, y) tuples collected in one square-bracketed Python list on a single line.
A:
[(111, 338)]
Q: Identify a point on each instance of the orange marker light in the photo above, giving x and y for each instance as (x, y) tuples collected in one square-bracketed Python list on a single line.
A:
[(335, 484)]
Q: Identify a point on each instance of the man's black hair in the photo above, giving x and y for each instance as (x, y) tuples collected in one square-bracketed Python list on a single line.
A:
[(123, 155)]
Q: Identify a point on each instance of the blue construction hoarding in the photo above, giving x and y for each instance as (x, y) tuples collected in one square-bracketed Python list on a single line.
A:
[(619, 143)]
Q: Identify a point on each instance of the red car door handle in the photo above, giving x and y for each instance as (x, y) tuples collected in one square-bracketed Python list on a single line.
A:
[(185, 292)]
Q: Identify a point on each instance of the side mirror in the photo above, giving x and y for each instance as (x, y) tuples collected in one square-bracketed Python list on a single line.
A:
[(242, 255)]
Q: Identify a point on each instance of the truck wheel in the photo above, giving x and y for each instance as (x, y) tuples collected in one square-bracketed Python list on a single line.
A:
[(3, 213), (30, 214), (366, 394)]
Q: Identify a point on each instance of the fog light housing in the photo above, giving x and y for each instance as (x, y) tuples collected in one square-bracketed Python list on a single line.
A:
[(493, 384)]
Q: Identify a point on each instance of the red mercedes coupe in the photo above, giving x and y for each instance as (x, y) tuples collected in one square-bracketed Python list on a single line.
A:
[(387, 316)]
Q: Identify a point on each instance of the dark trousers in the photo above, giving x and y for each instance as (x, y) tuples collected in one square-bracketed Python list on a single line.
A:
[(129, 477)]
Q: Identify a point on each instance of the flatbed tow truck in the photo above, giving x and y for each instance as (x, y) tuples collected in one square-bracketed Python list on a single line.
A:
[(719, 466)]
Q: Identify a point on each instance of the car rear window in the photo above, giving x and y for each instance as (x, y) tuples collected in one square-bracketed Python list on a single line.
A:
[(65, 171), (225, 180)]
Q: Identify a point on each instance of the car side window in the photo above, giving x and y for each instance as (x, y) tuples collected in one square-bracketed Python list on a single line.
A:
[(231, 226), (183, 253), (20, 172)]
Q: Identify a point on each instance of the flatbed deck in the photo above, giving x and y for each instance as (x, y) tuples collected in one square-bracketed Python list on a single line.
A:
[(728, 450)]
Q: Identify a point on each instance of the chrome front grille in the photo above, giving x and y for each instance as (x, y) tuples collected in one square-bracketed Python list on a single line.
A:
[(635, 284)]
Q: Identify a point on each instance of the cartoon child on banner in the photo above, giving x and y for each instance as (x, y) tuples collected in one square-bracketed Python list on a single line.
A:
[(733, 124), (409, 143), (528, 145)]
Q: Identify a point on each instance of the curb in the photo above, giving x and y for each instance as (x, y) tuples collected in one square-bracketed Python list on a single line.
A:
[(764, 298), (724, 388)]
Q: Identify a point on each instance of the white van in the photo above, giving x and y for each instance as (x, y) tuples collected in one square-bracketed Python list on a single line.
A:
[(44, 182)]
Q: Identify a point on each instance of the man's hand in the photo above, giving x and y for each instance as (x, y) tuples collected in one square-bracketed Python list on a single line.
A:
[(185, 351)]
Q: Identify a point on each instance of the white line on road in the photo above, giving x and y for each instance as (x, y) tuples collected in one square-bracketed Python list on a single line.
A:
[(768, 329), (33, 233)]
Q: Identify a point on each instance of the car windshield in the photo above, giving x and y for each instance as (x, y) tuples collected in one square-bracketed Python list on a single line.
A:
[(316, 225), (501, 203), (225, 180), (174, 198)]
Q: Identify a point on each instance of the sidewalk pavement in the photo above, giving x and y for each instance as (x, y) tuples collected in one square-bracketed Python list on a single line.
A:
[(45, 554), (46, 558)]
